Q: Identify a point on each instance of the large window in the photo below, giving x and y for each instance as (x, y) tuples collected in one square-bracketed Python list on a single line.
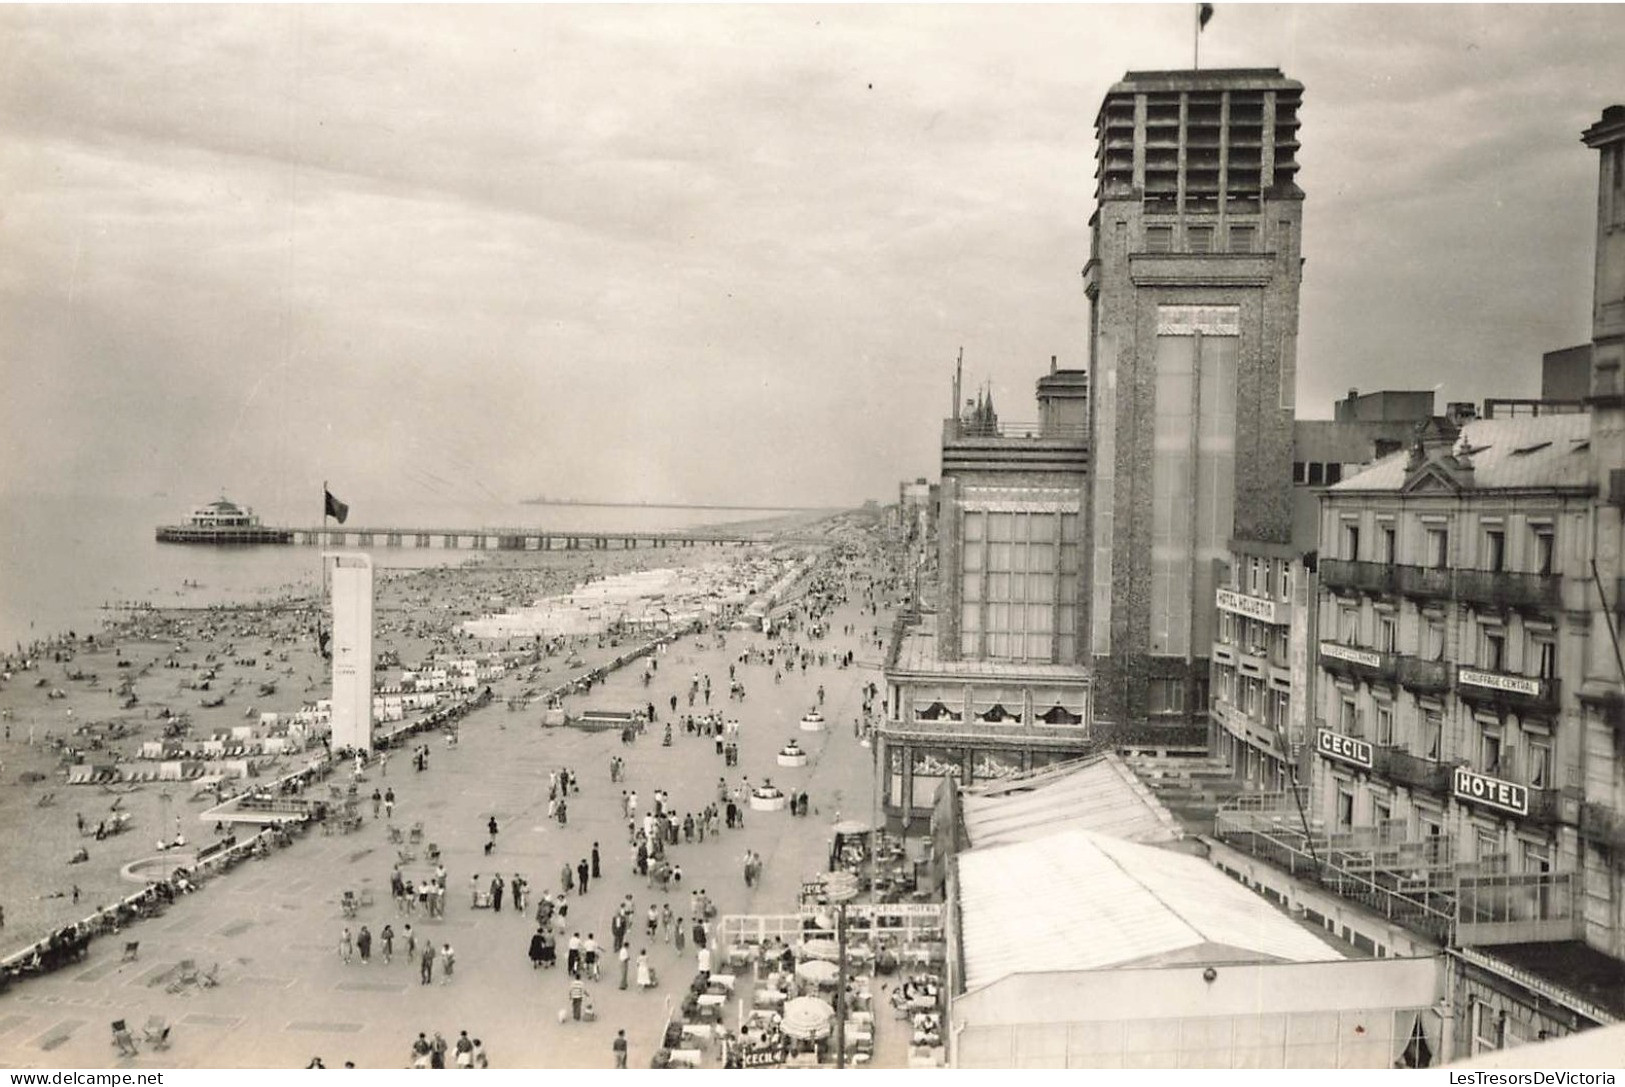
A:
[(1437, 553), (1432, 733), (1192, 469), (1545, 549), (1019, 595), (1432, 638), (1167, 696), (1495, 549)]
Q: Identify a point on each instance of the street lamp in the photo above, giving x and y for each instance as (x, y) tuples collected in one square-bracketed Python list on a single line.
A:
[(840, 888)]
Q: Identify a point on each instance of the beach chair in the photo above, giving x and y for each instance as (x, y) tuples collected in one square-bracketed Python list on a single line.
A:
[(132, 951), (185, 974), (210, 978), (417, 833), (366, 897), (348, 903), (122, 1039), (156, 1032)]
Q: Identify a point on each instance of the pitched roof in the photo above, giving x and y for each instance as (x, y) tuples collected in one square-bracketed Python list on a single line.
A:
[(1517, 453), (1082, 901), (1098, 794)]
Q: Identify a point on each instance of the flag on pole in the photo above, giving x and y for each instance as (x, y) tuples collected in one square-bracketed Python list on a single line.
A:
[(333, 508), (1203, 14)]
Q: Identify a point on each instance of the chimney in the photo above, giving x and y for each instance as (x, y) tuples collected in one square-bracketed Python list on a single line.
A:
[(1354, 394), (1052, 364)]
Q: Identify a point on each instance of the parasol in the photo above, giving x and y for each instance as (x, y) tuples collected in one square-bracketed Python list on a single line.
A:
[(851, 827), (820, 949), (807, 1018), (818, 971)]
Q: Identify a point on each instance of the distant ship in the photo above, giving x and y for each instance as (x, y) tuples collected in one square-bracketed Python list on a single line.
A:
[(223, 522)]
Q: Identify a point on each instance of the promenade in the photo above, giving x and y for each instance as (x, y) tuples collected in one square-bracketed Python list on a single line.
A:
[(274, 926)]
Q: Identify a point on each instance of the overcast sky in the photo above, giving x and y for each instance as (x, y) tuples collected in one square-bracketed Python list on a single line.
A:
[(722, 254)]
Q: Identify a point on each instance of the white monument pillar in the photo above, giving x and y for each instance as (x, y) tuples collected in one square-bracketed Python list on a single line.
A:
[(350, 574)]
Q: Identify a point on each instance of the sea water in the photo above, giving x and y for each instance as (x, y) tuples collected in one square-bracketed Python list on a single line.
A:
[(62, 558)]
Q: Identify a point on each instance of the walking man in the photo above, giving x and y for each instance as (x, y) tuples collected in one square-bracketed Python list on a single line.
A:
[(619, 1046), (578, 993), (625, 955), (426, 965)]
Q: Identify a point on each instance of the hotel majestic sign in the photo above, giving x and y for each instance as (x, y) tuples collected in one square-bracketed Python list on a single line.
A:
[(1491, 792), (1252, 607), (1335, 745)]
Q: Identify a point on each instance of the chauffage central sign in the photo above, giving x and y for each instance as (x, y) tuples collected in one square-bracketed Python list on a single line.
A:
[(1335, 745)]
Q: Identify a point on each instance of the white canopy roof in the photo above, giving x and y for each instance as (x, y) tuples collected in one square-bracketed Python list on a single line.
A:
[(1082, 901), (1099, 794)]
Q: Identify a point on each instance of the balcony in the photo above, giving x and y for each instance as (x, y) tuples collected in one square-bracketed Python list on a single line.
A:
[(1423, 582), (1413, 771), (1355, 663), (1524, 695), (1535, 907), (1343, 575), (1603, 824), (1423, 677), (1499, 590), (1417, 884)]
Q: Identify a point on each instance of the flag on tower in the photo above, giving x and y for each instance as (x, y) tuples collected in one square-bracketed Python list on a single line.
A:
[(1203, 15), (332, 507)]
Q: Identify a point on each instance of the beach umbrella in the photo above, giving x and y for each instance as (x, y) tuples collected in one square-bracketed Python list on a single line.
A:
[(851, 827), (820, 949), (807, 1018), (818, 971)]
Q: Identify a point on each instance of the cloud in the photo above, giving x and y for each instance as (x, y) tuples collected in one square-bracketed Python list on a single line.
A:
[(703, 253)]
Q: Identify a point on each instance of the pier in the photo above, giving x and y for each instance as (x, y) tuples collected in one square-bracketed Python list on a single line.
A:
[(530, 539), (477, 539)]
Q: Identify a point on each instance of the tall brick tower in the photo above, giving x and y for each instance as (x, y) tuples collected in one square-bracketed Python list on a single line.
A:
[(1193, 287)]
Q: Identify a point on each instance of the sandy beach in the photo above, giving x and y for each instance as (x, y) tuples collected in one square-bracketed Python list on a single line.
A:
[(270, 930), (98, 697)]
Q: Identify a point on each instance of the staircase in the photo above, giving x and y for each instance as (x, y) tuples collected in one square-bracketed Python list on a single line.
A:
[(1189, 783)]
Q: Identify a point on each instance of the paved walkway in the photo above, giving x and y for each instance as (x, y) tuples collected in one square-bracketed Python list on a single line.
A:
[(274, 926)]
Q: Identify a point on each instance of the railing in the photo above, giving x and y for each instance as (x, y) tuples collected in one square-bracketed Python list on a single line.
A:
[(1386, 669), (1355, 865), (1423, 677), (1416, 883), (1413, 771), (1511, 909), (1545, 698), (1365, 577), (1500, 588), (1052, 432), (1423, 582)]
